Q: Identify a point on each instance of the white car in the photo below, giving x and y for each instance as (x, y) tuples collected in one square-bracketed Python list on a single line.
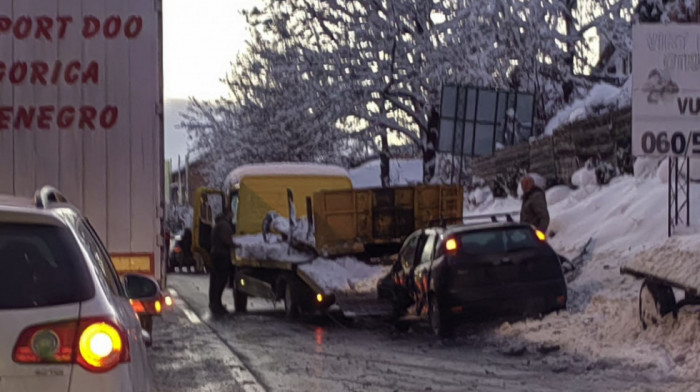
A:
[(66, 320)]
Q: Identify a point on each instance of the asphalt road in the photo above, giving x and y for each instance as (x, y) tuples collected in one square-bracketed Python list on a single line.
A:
[(261, 350)]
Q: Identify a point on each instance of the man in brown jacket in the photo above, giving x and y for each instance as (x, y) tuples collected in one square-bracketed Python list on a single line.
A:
[(534, 207)]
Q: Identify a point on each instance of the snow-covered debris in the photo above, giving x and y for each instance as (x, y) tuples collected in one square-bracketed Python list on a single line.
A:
[(678, 261), (601, 98), (402, 172), (479, 196), (300, 231), (584, 177), (255, 247), (346, 275)]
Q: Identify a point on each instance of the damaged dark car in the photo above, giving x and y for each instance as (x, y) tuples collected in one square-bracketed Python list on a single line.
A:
[(477, 271)]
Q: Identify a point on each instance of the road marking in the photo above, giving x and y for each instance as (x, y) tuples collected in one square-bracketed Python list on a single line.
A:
[(239, 371), (192, 316)]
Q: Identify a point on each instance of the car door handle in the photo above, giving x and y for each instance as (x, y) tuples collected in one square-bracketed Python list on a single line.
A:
[(506, 260)]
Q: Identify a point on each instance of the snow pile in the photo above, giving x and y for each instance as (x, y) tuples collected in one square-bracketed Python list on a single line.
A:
[(557, 193), (601, 98), (300, 233), (255, 247), (478, 197), (625, 215), (493, 206), (401, 172), (627, 220), (678, 260), (347, 275), (284, 169), (646, 167), (584, 177)]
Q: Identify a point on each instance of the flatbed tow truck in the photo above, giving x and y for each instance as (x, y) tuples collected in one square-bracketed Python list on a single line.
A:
[(336, 254)]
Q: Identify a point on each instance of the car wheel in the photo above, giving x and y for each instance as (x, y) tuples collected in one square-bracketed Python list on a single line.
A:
[(655, 302), (291, 301), (171, 267), (147, 325), (440, 323), (240, 301), (402, 325)]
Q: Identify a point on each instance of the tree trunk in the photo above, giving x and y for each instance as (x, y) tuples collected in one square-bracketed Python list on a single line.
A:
[(430, 143), (384, 161)]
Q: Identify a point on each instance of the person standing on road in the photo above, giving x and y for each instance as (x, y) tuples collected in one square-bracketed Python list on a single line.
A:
[(221, 246), (534, 207)]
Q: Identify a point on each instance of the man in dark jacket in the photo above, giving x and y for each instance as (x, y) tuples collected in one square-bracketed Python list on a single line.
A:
[(534, 207), (221, 246)]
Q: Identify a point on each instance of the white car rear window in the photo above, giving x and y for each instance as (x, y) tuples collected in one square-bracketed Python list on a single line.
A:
[(41, 266)]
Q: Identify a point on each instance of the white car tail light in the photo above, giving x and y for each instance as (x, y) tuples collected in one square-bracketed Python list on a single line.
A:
[(96, 344)]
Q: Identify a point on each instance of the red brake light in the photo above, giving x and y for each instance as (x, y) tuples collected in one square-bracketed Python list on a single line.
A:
[(137, 305), (50, 343), (96, 344), (177, 249)]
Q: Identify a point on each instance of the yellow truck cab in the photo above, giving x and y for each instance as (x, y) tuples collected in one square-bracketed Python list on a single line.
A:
[(251, 191), (255, 190)]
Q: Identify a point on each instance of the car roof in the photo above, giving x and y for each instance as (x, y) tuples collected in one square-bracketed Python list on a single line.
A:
[(15, 209), (468, 227)]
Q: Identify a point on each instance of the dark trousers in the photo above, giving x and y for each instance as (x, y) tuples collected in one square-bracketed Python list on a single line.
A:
[(219, 276)]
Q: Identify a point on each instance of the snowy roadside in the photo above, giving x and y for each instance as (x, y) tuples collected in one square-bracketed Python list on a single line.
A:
[(627, 220)]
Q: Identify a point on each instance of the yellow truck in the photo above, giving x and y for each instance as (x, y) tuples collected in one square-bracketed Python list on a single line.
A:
[(362, 223)]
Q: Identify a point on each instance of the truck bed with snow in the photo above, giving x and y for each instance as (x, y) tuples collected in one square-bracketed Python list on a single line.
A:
[(272, 269)]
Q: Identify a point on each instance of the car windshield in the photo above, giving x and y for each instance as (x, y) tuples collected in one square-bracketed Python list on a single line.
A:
[(41, 266), (505, 240)]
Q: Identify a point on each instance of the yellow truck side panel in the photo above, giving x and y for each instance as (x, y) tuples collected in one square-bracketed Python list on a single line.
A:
[(259, 195), (348, 220)]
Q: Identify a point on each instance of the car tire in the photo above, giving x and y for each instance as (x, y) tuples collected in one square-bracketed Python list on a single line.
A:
[(147, 325), (402, 325), (440, 323), (240, 301), (655, 302), (291, 299)]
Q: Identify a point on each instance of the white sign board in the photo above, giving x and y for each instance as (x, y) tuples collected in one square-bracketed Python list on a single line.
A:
[(666, 90)]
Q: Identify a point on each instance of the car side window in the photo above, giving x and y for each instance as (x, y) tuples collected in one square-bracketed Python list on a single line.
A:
[(100, 258), (407, 255), (427, 253)]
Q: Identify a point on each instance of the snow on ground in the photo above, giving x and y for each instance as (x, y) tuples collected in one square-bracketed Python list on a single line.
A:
[(347, 275), (601, 95), (627, 220), (401, 172)]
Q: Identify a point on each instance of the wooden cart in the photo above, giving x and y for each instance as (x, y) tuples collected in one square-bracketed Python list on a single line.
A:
[(656, 296)]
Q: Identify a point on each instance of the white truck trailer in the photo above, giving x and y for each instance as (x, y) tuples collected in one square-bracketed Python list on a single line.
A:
[(81, 110)]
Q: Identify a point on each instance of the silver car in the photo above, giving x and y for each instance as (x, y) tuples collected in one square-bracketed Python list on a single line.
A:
[(67, 322)]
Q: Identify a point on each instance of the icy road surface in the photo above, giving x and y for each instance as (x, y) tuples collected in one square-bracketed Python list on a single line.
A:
[(322, 355)]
